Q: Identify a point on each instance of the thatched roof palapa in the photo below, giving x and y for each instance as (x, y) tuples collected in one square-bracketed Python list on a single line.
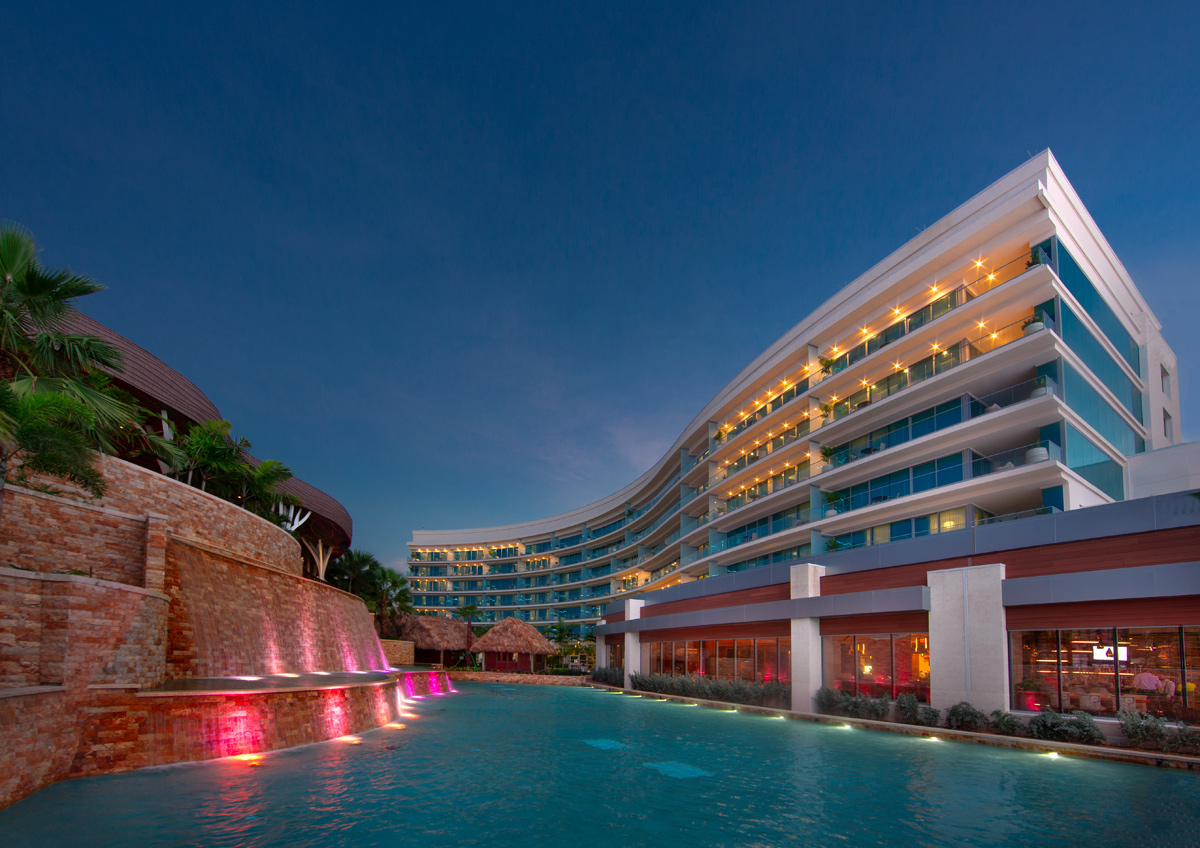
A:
[(513, 636), (434, 633)]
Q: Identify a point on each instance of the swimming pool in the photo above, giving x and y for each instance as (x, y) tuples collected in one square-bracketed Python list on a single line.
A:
[(558, 766)]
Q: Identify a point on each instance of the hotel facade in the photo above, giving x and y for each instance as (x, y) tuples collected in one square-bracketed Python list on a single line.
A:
[(991, 404)]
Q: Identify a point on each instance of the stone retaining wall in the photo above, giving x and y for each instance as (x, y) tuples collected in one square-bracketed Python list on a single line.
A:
[(503, 677), (183, 585), (398, 652)]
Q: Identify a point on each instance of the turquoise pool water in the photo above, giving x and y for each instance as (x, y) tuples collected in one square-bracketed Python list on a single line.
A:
[(563, 767)]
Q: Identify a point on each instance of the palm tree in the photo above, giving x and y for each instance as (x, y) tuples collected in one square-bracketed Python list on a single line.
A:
[(256, 488), (211, 453), (35, 354), (467, 613), (45, 433), (356, 572)]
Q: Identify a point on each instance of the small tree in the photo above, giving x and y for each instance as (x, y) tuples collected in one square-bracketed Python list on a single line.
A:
[(44, 433), (467, 613)]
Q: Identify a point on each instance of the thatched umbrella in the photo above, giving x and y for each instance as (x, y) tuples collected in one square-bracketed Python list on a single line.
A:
[(434, 633), (513, 636)]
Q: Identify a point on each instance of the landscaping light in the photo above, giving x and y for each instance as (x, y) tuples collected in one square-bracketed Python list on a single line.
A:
[(1053, 755)]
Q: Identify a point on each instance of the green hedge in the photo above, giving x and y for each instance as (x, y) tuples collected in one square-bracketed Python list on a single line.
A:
[(609, 676), (711, 689)]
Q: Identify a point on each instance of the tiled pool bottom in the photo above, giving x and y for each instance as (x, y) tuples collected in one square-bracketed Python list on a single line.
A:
[(560, 766)]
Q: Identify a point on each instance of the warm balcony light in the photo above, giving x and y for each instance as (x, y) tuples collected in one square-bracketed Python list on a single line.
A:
[(864, 382), (835, 348), (865, 331), (935, 345), (978, 263), (933, 289), (991, 276), (896, 311)]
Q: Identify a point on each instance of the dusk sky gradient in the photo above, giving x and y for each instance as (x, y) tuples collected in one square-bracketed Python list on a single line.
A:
[(474, 264)]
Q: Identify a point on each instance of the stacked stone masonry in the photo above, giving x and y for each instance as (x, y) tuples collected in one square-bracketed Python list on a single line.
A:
[(100, 602)]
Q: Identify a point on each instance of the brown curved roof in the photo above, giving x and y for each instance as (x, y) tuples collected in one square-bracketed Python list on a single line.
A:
[(146, 373)]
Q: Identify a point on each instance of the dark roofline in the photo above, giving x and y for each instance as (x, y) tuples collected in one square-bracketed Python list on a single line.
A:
[(149, 375)]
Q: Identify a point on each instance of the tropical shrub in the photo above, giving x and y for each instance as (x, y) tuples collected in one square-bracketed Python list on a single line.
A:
[(1078, 727), (1186, 740), (913, 712), (609, 676), (963, 716), (1142, 729), (711, 689), (1006, 724)]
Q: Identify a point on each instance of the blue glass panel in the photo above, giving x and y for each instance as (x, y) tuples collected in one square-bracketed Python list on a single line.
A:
[(1099, 362), (1089, 298), (1094, 465), (1095, 410)]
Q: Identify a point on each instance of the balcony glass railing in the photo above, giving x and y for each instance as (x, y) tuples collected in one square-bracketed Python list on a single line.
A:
[(938, 363), (939, 418), (935, 474), (1032, 454), (800, 518), (952, 299)]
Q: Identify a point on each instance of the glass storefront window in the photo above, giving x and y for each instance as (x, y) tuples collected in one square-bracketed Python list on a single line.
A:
[(873, 657), (1088, 670), (838, 666), (1035, 660), (745, 659), (708, 659), (911, 665), (878, 665), (1151, 676), (766, 667), (726, 659), (692, 665)]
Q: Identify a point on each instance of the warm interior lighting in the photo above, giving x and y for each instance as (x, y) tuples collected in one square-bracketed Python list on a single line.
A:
[(978, 263)]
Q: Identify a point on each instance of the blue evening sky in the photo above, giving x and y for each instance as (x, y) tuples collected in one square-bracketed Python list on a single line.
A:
[(469, 264)]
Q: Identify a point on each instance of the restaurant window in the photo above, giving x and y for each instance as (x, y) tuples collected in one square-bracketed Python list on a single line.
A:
[(1104, 670), (878, 665)]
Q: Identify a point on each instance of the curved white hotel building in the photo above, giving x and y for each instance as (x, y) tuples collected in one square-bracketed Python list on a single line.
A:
[(1001, 364)]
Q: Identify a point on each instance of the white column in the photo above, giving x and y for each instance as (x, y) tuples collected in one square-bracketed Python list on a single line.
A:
[(633, 642), (968, 642), (806, 640), (601, 648)]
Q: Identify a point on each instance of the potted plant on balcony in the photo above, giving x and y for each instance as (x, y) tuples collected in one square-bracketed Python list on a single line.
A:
[(826, 409), (826, 364), (1033, 324), (828, 453), (833, 503), (1040, 387)]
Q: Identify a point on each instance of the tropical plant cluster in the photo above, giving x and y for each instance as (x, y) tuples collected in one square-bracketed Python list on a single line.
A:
[(1054, 726), (769, 693), (1144, 730), (385, 592), (609, 676), (59, 407)]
